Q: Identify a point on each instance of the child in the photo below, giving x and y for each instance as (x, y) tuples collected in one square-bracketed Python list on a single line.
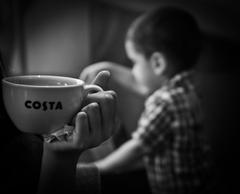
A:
[(164, 45)]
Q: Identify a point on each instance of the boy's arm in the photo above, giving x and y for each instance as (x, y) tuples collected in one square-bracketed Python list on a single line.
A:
[(123, 157)]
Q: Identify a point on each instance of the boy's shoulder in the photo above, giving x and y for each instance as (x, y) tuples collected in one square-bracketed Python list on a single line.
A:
[(161, 97), (176, 89)]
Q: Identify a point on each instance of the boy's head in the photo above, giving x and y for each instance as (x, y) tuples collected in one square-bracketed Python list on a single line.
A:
[(166, 39)]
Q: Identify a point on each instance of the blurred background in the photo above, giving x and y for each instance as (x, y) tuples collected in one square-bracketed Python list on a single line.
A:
[(62, 37)]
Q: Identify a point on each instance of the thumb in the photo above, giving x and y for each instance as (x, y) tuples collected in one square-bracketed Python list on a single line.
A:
[(102, 79)]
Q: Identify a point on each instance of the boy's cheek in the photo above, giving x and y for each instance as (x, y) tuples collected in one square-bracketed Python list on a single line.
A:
[(137, 74), (140, 75)]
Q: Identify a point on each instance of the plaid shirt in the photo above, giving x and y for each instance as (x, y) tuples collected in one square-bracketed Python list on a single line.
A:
[(171, 130)]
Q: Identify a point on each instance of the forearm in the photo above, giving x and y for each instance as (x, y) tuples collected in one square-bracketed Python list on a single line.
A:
[(58, 172), (119, 160)]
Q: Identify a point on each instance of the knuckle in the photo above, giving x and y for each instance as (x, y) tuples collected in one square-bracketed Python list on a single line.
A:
[(90, 107), (93, 105), (113, 93), (108, 97)]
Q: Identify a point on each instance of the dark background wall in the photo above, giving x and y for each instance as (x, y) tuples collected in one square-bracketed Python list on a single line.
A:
[(62, 37)]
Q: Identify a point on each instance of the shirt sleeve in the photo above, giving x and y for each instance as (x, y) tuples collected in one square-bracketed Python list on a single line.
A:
[(88, 179), (154, 126), (21, 164)]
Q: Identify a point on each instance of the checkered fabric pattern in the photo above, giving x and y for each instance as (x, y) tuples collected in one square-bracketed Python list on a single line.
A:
[(171, 131)]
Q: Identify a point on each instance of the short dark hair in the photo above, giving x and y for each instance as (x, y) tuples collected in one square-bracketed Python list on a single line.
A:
[(170, 30)]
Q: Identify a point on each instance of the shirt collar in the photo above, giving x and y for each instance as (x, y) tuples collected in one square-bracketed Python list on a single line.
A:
[(181, 79)]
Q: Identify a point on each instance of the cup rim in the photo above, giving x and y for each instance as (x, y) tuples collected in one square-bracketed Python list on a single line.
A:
[(9, 80)]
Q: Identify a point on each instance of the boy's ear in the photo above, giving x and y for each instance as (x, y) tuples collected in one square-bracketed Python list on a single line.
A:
[(158, 63)]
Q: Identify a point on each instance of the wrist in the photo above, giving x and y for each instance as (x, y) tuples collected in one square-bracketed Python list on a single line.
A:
[(60, 153), (101, 166)]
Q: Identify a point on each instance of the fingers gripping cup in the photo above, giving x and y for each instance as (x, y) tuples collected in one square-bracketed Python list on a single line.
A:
[(43, 104)]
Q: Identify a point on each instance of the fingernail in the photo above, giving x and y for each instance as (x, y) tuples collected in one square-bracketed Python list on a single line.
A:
[(94, 104), (82, 114), (106, 72)]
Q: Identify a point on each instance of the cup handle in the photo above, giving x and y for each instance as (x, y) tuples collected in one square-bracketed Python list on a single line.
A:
[(91, 87)]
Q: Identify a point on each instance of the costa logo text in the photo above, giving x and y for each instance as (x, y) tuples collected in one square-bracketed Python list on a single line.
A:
[(46, 105)]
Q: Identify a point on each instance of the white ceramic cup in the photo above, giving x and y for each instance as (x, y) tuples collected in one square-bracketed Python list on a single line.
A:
[(42, 104)]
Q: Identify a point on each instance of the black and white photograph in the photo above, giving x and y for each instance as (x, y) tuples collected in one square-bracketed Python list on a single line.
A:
[(119, 97)]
